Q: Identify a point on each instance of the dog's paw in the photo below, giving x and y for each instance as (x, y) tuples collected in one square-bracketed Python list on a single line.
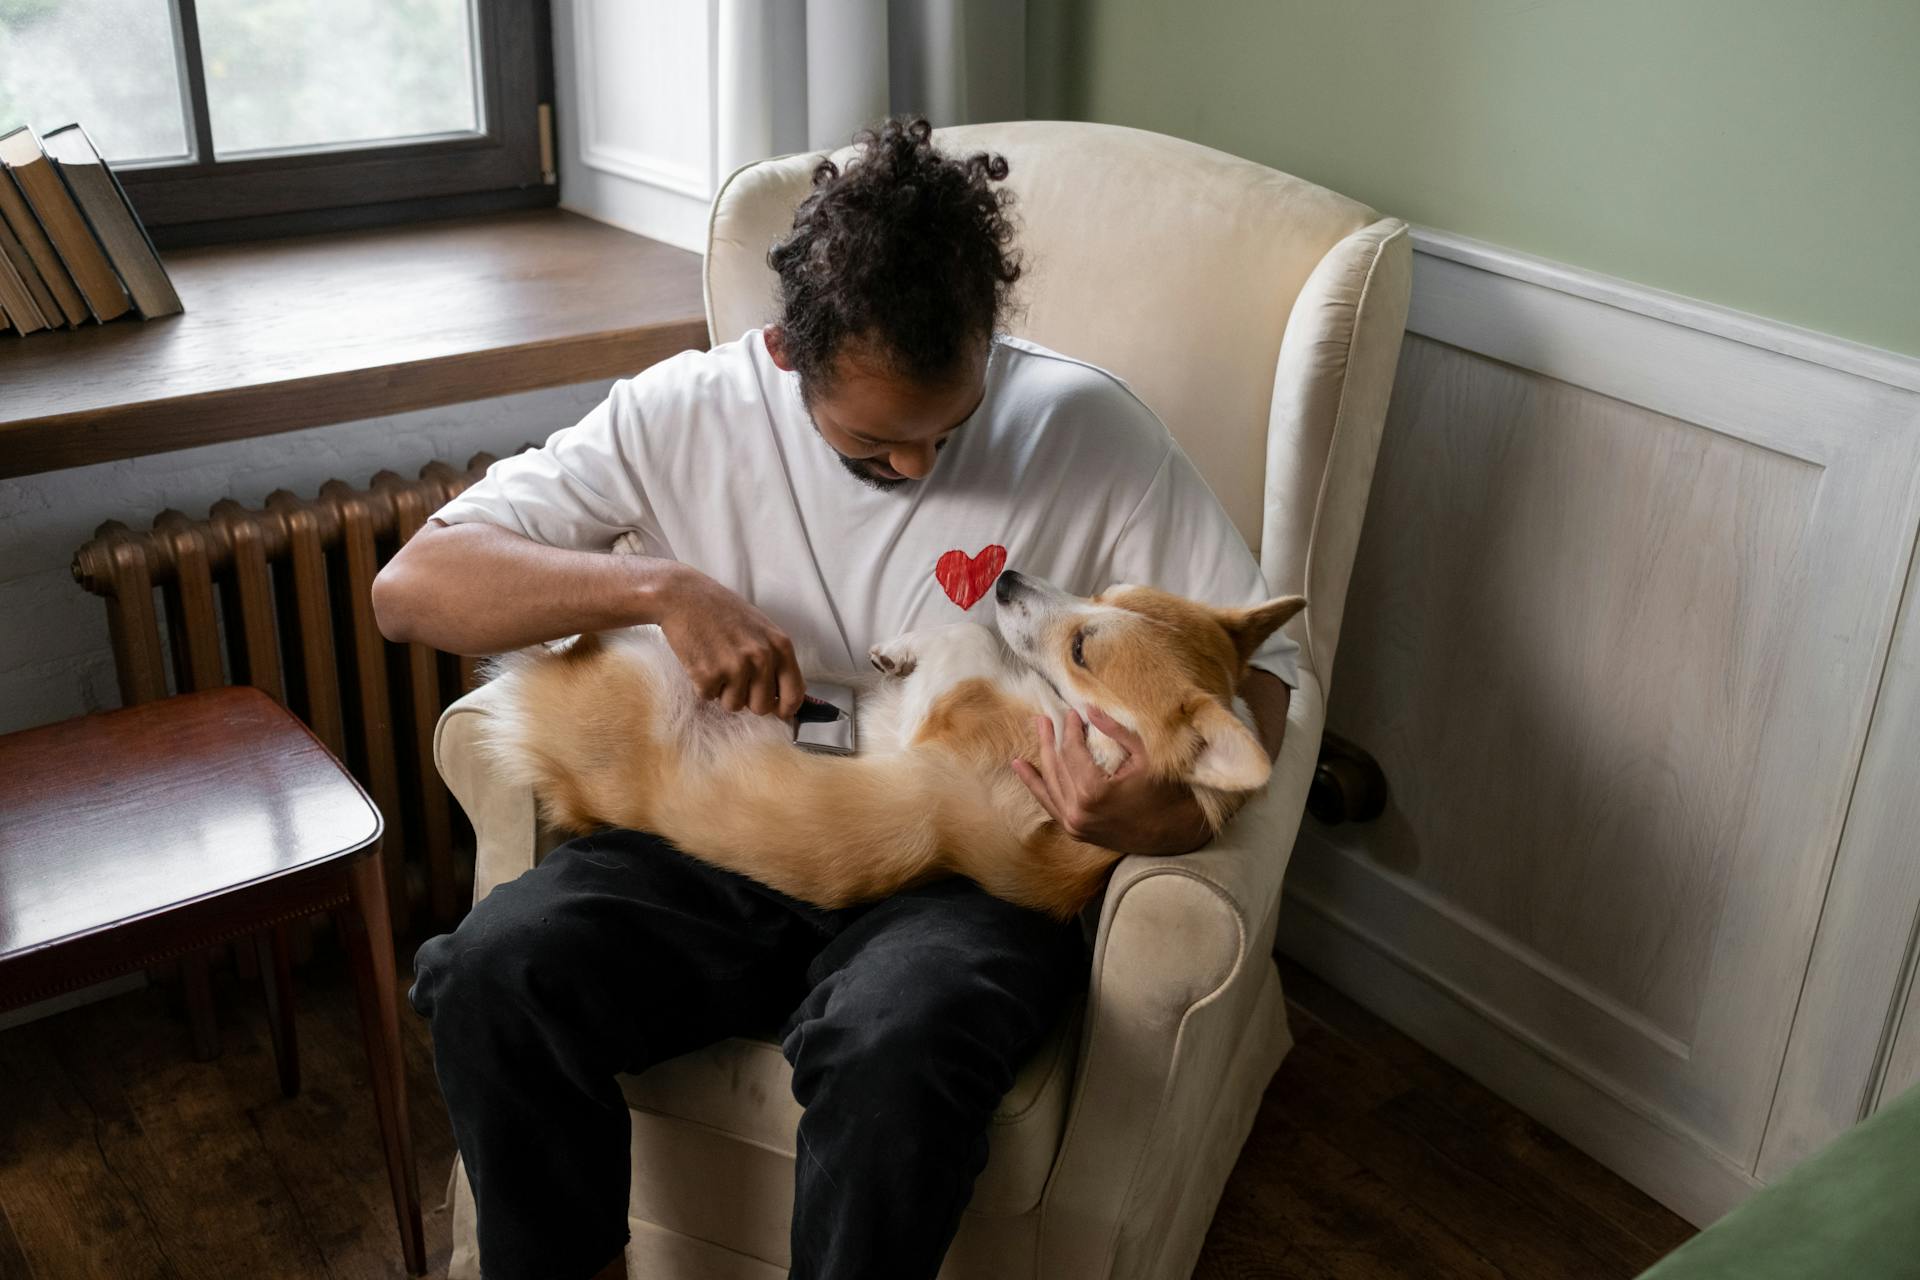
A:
[(894, 658)]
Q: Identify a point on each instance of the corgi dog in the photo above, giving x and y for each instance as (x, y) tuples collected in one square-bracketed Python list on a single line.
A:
[(610, 732)]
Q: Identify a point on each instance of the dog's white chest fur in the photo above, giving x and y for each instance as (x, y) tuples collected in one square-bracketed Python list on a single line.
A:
[(920, 667)]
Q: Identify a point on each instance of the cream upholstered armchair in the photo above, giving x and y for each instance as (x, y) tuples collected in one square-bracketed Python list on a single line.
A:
[(1261, 317)]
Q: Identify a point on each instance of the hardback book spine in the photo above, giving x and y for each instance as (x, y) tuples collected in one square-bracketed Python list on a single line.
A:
[(66, 227), (22, 262), (17, 302), (20, 220), (116, 225)]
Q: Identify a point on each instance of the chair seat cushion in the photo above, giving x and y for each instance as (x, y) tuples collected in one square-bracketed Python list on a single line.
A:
[(743, 1088)]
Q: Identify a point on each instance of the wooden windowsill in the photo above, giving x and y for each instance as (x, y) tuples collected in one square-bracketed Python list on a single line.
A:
[(284, 334)]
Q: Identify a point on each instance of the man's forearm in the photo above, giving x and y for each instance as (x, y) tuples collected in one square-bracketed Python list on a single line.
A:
[(1185, 826), (1268, 697), (478, 589)]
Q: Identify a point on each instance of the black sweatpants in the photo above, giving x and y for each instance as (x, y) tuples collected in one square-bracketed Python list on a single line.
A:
[(904, 1022)]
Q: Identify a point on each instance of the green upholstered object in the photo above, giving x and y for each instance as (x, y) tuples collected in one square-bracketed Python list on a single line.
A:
[(1852, 1209)]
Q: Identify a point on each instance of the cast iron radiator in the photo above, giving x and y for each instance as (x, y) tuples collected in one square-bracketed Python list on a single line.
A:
[(280, 598)]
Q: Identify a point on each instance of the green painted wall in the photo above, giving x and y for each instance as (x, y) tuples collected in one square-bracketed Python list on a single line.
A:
[(1761, 154)]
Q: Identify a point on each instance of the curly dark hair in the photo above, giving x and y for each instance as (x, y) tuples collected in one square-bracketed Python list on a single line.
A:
[(907, 251)]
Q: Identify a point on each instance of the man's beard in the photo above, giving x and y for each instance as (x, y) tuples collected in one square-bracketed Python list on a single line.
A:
[(857, 468)]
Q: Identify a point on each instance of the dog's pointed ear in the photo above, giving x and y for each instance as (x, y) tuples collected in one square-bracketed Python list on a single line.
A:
[(1249, 628), (1231, 757)]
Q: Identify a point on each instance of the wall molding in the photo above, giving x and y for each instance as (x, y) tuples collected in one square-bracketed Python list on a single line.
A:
[(1873, 363), (1899, 1063), (1698, 363), (630, 162), (1861, 975), (626, 162), (1803, 395), (614, 181), (1670, 1164), (1867, 945), (1344, 872)]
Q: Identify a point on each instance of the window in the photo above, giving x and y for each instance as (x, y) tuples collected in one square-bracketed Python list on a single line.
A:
[(229, 118)]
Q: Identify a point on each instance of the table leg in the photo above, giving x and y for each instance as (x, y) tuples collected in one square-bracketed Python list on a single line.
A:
[(246, 959), (196, 985), (301, 932), (367, 934), (276, 978)]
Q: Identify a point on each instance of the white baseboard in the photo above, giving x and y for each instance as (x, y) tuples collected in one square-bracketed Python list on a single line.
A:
[(1674, 1168)]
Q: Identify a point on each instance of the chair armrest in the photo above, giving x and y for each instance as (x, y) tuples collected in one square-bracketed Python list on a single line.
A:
[(504, 827), (1184, 947)]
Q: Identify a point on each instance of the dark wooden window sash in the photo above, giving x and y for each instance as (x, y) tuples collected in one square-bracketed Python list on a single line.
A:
[(207, 201)]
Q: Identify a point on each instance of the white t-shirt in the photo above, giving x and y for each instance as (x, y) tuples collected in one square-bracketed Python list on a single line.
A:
[(710, 458)]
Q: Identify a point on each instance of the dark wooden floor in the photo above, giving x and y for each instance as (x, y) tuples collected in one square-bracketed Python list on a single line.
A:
[(1371, 1158), (121, 1157)]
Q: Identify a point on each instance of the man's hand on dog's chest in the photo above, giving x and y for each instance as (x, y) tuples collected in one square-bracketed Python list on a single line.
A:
[(1127, 810)]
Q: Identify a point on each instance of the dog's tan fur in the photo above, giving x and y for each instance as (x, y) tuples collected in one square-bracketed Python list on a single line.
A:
[(609, 733)]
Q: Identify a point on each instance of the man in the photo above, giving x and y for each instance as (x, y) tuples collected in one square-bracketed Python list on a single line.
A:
[(863, 467)]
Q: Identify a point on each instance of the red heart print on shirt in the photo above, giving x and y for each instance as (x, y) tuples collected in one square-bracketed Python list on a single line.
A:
[(966, 578)]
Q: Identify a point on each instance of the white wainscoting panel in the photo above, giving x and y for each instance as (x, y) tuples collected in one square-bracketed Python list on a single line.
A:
[(1617, 625), (1903, 1062), (644, 109), (1852, 1047)]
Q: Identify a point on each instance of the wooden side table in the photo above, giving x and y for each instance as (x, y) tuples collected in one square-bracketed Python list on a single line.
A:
[(142, 835)]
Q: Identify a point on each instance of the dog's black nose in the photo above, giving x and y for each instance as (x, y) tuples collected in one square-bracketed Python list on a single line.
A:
[(1003, 589)]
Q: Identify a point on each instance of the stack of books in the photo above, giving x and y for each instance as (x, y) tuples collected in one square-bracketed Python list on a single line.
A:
[(71, 247)]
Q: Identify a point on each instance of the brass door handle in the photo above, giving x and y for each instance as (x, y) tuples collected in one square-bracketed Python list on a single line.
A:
[(1347, 784)]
